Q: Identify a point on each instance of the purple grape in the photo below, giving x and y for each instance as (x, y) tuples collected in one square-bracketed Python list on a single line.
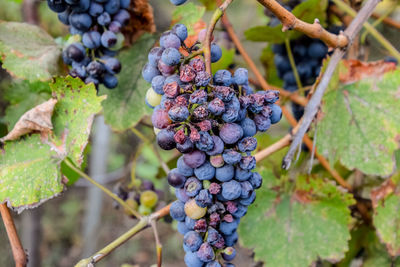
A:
[(230, 133), (223, 77), (171, 56), (176, 179), (216, 52), (192, 186), (165, 139), (170, 40)]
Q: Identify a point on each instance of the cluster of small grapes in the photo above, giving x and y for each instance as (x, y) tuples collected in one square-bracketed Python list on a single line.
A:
[(143, 197), (308, 54), (212, 122), (96, 29)]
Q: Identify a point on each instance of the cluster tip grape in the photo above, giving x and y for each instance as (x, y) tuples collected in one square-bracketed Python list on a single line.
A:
[(212, 121), (95, 26)]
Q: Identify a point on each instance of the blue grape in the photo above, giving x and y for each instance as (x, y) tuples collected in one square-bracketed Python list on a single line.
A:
[(216, 106), (64, 16), (182, 229), (122, 17), (229, 254), (247, 189), (193, 186), (231, 156), (228, 228), (176, 178), (178, 2), (181, 31), (80, 21), (247, 144), (242, 175), (216, 52), (276, 113), (317, 50), (57, 6), (177, 210), (262, 123), (255, 180), (95, 9), (110, 81), (149, 72), (194, 159), (230, 133), (91, 39), (218, 146), (104, 19), (112, 6), (111, 64), (205, 252), (183, 168), (178, 113), (108, 39), (171, 56), (192, 240), (165, 139), (249, 127), (205, 142), (205, 171), (225, 173), (249, 200), (170, 40), (191, 258), (114, 26), (231, 190), (223, 77), (204, 198), (241, 76), (155, 55)]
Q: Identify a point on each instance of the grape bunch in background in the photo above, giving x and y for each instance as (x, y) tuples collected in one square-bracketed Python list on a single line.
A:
[(142, 196), (212, 122), (308, 55), (96, 29)]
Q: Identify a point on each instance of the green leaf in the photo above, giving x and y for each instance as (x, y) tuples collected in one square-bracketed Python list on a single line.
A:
[(225, 61), (188, 14), (125, 105), (360, 123), (306, 11), (28, 52), (73, 114), (29, 173), (297, 226), (23, 96)]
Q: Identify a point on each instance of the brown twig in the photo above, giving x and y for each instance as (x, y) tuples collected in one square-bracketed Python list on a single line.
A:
[(29, 11), (207, 43), (158, 243), (262, 82), (16, 246), (315, 30), (388, 21), (281, 143), (314, 103)]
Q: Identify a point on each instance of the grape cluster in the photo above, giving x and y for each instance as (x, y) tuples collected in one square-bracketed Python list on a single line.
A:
[(308, 54), (143, 197), (212, 122), (96, 29)]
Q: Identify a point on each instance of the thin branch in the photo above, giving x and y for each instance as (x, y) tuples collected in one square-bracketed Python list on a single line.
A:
[(16, 246), (29, 10), (315, 30), (293, 65), (374, 33), (388, 21), (282, 143), (314, 103), (104, 189), (143, 223), (158, 243), (262, 82), (207, 43)]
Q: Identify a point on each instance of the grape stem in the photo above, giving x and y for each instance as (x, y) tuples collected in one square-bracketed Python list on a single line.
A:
[(314, 103), (16, 246), (143, 223), (211, 26), (103, 188), (263, 83), (315, 30)]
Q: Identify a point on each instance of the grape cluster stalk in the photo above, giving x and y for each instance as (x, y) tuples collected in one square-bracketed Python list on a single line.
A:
[(95, 26), (212, 121)]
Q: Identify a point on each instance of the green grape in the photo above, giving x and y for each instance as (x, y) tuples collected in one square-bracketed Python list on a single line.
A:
[(152, 97), (131, 203), (144, 210), (148, 198), (193, 210)]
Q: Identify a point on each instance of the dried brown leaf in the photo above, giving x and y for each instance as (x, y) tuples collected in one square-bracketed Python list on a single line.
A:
[(37, 119), (357, 70), (142, 20)]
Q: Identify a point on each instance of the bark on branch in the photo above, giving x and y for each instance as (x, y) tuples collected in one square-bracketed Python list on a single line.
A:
[(315, 30)]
